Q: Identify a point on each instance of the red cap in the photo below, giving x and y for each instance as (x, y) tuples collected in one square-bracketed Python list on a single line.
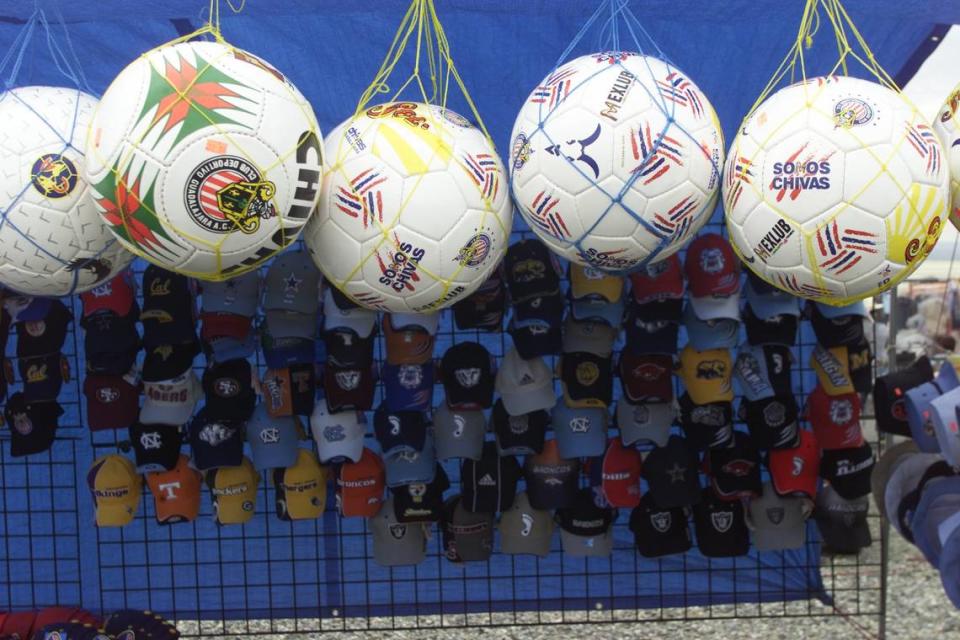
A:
[(56, 615), (658, 281), (621, 475), (712, 268), (794, 471), (360, 486), (835, 419), (113, 402), (224, 325), (646, 377), (19, 623), (116, 294)]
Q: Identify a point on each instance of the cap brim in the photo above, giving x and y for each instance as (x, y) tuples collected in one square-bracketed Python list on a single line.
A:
[(427, 321), (582, 546), (609, 312), (884, 468), (852, 309), (153, 413), (716, 308), (286, 324), (351, 450), (780, 538), (526, 401), (655, 430)]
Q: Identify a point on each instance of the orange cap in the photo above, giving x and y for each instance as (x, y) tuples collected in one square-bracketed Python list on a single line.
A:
[(176, 493), (360, 486), (407, 346)]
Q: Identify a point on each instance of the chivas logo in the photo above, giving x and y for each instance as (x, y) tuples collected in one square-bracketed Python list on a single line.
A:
[(475, 251), (54, 175), (850, 112), (227, 193)]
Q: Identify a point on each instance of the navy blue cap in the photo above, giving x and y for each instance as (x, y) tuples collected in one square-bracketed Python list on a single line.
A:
[(408, 387), (399, 431), (216, 443)]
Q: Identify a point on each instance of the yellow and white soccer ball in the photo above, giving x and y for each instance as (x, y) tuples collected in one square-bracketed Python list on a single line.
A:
[(415, 212), (835, 189), (615, 160), (948, 131), (204, 159)]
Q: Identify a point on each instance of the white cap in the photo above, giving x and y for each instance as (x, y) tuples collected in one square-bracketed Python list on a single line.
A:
[(339, 435), (429, 322), (524, 385), (170, 401), (359, 319)]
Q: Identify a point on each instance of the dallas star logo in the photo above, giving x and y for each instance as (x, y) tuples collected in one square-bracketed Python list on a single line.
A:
[(292, 283), (676, 473)]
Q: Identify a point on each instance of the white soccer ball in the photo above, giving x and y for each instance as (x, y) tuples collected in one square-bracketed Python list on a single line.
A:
[(835, 189), (415, 212), (204, 159), (52, 242), (948, 131), (615, 160)]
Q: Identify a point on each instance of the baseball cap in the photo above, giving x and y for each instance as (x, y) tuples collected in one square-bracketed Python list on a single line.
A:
[(794, 470), (339, 435), (524, 385), (766, 301), (458, 433), (483, 309), (33, 425), (283, 352), (836, 331), (110, 343), (585, 528), (233, 490), (156, 447), (620, 474), (595, 309), (228, 387), (848, 470), (519, 435), (467, 375), (421, 501), (713, 274), (360, 485), (46, 335), (763, 371), (939, 501), (835, 419), (116, 489), (176, 493), (842, 523), (535, 326), (170, 401), (168, 313), (590, 337), (833, 369), (707, 374), (662, 280), (117, 295), (348, 387), (587, 281), (579, 431), (551, 479), (889, 395), (412, 467), (860, 360), (586, 379), (772, 422), (721, 527), (778, 522), (884, 468), (671, 474), (399, 431), (646, 377), (918, 409), (409, 345), (301, 488), (290, 390), (215, 443), (659, 532), (720, 333), (237, 296), (648, 421), (273, 441), (225, 325), (395, 543), (467, 535), (649, 333), (490, 483), (407, 321), (708, 425), (43, 376), (163, 362), (944, 419), (904, 478), (408, 387), (143, 624), (734, 471), (857, 308), (292, 284), (780, 329), (524, 529), (530, 270), (907, 508), (113, 402), (358, 319)]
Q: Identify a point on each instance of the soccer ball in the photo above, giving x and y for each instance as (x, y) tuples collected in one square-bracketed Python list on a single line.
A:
[(52, 242), (615, 160), (415, 212), (948, 131), (835, 189), (204, 159)]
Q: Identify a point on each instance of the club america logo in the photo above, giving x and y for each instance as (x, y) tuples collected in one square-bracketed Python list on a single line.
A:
[(227, 193), (53, 175), (521, 151)]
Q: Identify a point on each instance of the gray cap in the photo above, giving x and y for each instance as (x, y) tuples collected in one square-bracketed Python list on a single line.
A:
[(409, 467), (778, 522), (524, 385), (239, 295), (904, 479), (472, 533), (884, 468), (458, 433), (525, 530), (648, 421), (396, 543), (292, 284), (591, 337)]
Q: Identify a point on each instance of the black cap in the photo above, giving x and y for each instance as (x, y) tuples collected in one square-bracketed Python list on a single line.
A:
[(484, 308), (490, 483), (467, 373), (339, 297), (860, 359), (519, 435), (228, 389), (111, 342), (345, 348), (707, 426), (167, 361), (734, 471), (216, 443), (778, 361), (398, 431), (584, 517), (587, 378), (303, 388), (780, 329), (842, 523), (536, 325), (156, 447), (841, 331), (168, 308), (551, 481), (671, 473), (33, 425), (657, 531), (530, 270), (654, 332), (772, 421), (40, 337), (42, 376), (848, 470), (420, 502), (721, 527), (890, 394)]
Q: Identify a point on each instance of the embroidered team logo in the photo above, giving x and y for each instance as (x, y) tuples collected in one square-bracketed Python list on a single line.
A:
[(270, 435), (54, 175), (215, 434), (841, 411), (227, 193), (394, 423), (526, 521), (722, 521), (459, 425), (347, 380), (468, 378), (23, 424), (797, 466), (410, 376), (661, 521), (580, 424), (520, 151), (226, 387), (106, 395), (518, 424), (711, 261), (36, 328), (587, 373), (775, 514), (334, 433), (398, 531), (151, 440)]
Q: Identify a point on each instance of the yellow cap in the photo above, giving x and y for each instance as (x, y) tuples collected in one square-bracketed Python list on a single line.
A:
[(116, 489), (234, 491), (301, 489), (833, 369), (707, 374), (587, 281)]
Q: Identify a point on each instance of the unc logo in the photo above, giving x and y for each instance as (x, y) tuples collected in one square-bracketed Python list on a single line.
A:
[(661, 521), (334, 433), (410, 376), (151, 440), (527, 520), (107, 395), (270, 436), (711, 261), (841, 411), (226, 387), (721, 521), (468, 378), (347, 380), (459, 425), (580, 424), (394, 422)]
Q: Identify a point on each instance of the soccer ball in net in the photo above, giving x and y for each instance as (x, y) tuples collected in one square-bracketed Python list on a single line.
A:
[(835, 189), (52, 241), (615, 160), (204, 159), (415, 212), (948, 131)]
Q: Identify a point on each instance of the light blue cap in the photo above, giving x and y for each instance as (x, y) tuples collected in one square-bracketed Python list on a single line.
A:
[(274, 441), (580, 432)]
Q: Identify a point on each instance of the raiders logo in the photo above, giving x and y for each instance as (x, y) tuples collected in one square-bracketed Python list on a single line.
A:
[(398, 531), (661, 521), (722, 520), (467, 378)]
